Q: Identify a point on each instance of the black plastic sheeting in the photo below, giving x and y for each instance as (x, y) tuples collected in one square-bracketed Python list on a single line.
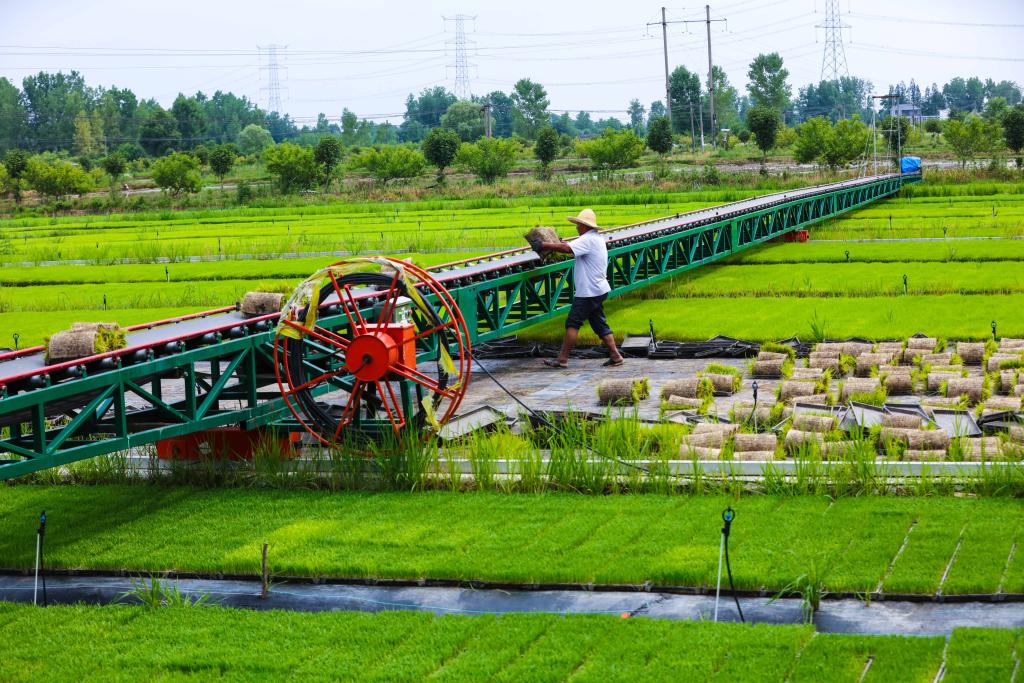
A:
[(834, 616)]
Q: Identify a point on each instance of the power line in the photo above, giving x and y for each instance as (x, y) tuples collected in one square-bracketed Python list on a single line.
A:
[(939, 22)]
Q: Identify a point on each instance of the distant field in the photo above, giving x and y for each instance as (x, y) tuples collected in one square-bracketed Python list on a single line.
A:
[(87, 643), (846, 288)]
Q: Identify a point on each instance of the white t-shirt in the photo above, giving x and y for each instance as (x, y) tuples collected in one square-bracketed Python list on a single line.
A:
[(591, 268)]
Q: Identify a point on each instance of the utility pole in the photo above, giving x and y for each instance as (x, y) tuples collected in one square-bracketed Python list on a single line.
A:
[(664, 47), (487, 118), (874, 134), (711, 84)]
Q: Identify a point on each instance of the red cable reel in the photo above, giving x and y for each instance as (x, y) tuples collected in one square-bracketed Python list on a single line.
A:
[(347, 344)]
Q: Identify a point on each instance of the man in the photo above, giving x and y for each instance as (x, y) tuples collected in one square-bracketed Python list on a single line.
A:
[(591, 288)]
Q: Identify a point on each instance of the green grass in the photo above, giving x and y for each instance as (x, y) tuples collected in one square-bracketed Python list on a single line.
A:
[(513, 538), (883, 252), (132, 643), (770, 318)]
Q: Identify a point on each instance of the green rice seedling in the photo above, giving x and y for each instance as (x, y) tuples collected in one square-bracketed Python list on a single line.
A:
[(154, 594)]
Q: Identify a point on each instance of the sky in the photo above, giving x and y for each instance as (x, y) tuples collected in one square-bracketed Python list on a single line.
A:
[(594, 56)]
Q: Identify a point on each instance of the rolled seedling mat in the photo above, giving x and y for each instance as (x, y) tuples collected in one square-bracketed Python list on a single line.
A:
[(83, 342), (927, 439), (892, 348), (705, 439), (928, 455), (771, 355), (796, 440), (805, 422), (262, 303), (726, 428), (971, 387), (81, 327), (937, 379), (867, 385), (1016, 433), (893, 435), (753, 456), (854, 348), (894, 369), (542, 234), (922, 344), (898, 384), (998, 404), (1007, 380), (944, 358), (812, 374), (972, 353), (823, 362), (996, 358), (1009, 344), (793, 388), (940, 402), (686, 388), (829, 347), (837, 449), (622, 391), (769, 369), (1018, 390), (674, 402), (754, 442), (902, 421), (701, 453), (725, 385), (815, 399), (983, 447), (866, 362), (958, 369), (741, 411)]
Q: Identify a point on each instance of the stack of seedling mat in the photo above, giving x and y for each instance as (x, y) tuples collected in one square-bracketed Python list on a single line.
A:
[(84, 339), (539, 236), (623, 391), (707, 440)]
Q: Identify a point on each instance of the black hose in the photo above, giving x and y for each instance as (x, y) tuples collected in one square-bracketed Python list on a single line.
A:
[(42, 537), (732, 586)]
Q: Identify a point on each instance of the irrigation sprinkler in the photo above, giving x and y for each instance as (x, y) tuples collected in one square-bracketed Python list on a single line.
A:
[(16, 337), (905, 287), (847, 255), (728, 515), (40, 533), (993, 330)]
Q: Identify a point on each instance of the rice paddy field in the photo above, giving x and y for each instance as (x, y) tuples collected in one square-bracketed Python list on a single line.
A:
[(80, 643), (959, 243)]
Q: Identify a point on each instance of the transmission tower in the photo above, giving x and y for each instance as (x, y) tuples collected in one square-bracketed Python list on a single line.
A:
[(461, 62), (273, 86), (833, 62)]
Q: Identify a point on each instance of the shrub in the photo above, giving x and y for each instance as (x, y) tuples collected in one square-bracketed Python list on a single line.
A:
[(391, 162), (177, 173), (546, 148), (764, 124), (56, 179), (612, 149), (440, 148), (488, 159), (294, 167), (659, 135), (222, 159)]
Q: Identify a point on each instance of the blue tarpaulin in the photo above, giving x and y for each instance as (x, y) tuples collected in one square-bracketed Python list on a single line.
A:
[(910, 164)]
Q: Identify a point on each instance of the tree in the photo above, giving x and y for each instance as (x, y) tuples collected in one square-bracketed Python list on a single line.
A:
[(253, 140), (612, 149), (13, 117), (440, 148), (52, 101), (191, 122), (488, 159), (655, 111), (391, 163), (846, 142), (1013, 130), (531, 107), (16, 162), (177, 172), (546, 149), (725, 100), (222, 158), (115, 165), (811, 138), (659, 135), (327, 153), (6, 182), (466, 118), (636, 116), (83, 143), (56, 179), (767, 86), (896, 132), (763, 121), (159, 133), (685, 99), (295, 167)]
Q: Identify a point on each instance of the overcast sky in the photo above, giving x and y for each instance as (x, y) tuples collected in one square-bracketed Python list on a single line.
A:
[(595, 55)]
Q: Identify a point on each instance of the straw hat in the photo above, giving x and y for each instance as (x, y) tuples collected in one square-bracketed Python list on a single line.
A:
[(587, 218)]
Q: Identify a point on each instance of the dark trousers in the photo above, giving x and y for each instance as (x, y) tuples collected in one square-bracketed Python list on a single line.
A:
[(589, 309)]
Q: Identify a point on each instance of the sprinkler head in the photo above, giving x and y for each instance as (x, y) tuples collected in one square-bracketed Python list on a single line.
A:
[(754, 387), (728, 515)]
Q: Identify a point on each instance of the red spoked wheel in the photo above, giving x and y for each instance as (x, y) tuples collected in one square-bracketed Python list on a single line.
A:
[(371, 345)]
